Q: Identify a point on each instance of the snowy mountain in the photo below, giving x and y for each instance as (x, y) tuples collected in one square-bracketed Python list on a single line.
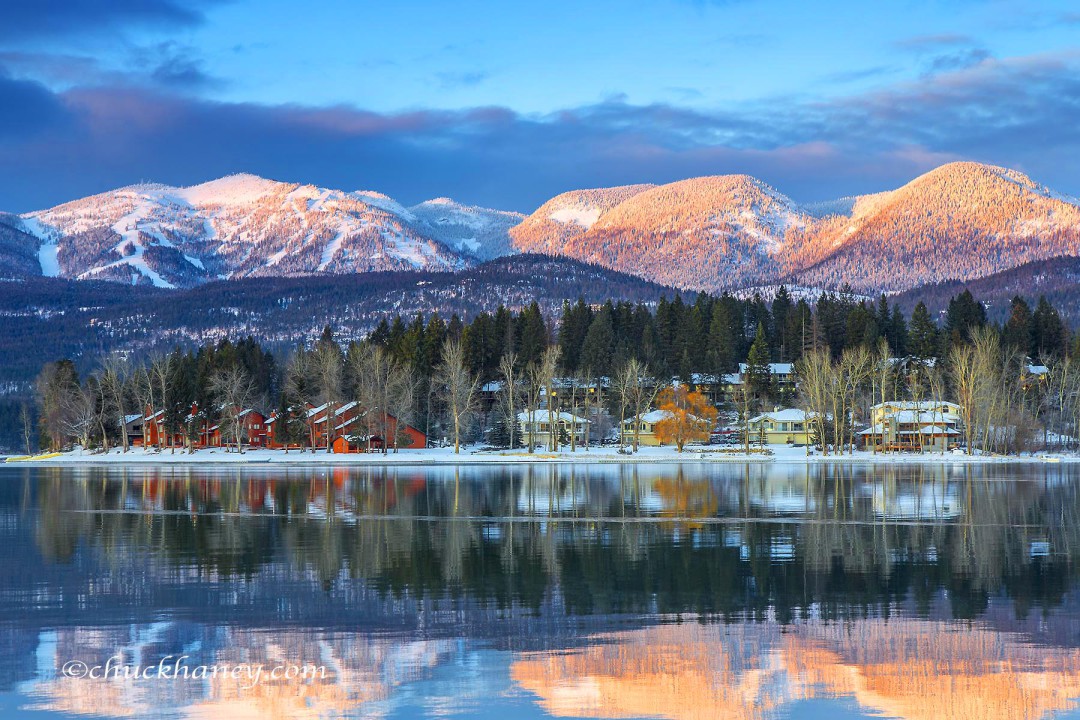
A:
[(567, 216), (703, 233), (237, 226), (958, 222), (479, 233)]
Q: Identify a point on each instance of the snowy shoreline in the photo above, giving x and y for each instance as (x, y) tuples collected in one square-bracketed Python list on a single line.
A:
[(446, 456)]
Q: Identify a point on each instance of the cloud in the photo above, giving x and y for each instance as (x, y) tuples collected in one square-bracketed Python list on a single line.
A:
[(1018, 112), (923, 43), (863, 74), (450, 80), (30, 109), (958, 60), (172, 66), (22, 20)]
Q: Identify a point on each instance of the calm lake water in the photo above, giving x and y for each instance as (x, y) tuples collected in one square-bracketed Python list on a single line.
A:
[(661, 591)]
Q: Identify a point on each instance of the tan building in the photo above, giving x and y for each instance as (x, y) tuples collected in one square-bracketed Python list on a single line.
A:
[(646, 428), (916, 426), (787, 426), (541, 424)]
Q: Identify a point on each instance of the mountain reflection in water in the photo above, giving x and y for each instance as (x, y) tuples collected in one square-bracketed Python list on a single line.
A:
[(614, 591)]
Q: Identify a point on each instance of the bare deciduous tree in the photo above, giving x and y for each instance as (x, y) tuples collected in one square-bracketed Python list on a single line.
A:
[(235, 391), (114, 380), (638, 390), (510, 393), (327, 374), (458, 387)]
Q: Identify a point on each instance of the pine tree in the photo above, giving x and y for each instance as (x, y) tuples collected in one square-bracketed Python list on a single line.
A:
[(1049, 336), (781, 312), (722, 346), (575, 323), (1019, 328), (532, 335), (964, 315), (598, 348), (757, 364), (922, 334), (898, 333)]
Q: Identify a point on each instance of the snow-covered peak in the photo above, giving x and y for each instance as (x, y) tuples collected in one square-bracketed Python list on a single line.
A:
[(383, 202), (238, 189), (476, 232)]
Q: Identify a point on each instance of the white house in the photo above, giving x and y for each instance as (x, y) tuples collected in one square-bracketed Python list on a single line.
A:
[(540, 425)]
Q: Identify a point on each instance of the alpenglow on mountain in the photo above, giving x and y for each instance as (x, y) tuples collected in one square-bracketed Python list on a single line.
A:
[(245, 226), (961, 221)]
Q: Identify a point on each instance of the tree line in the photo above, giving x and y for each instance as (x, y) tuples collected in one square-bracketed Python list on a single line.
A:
[(467, 380)]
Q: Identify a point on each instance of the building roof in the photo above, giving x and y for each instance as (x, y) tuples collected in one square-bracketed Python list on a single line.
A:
[(923, 405), (785, 415), (921, 416), (542, 416), (774, 368)]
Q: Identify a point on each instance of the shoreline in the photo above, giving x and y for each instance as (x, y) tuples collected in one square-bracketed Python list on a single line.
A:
[(445, 456)]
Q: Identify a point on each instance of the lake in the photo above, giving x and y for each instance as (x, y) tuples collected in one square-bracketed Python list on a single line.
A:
[(605, 591)]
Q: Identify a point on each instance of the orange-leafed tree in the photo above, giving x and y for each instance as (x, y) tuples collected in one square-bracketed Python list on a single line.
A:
[(688, 416)]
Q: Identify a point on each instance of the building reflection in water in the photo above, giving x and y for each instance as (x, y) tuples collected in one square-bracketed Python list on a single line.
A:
[(692, 591)]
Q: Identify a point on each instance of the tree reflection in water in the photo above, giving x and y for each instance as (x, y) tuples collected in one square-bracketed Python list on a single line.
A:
[(798, 582)]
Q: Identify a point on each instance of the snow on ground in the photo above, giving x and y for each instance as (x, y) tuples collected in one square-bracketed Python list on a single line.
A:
[(49, 259), (329, 252), (585, 217), (473, 455), (471, 245), (48, 256)]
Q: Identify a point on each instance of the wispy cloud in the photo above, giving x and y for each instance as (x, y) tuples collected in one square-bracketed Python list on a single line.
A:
[(959, 60), (1017, 112), (53, 18), (450, 80), (924, 43)]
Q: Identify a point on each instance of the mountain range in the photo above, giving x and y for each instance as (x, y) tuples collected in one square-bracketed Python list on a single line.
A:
[(959, 222)]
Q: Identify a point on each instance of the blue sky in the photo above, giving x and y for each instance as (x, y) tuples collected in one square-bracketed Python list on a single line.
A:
[(506, 104)]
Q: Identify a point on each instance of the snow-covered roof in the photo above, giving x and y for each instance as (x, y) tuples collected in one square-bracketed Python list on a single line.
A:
[(654, 416), (346, 407), (924, 405), (938, 430), (774, 368), (132, 418), (912, 416), (785, 415), (1038, 369), (542, 416)]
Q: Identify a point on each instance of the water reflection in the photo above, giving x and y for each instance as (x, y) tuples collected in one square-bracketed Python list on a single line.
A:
[(905, 668), (604, 591)]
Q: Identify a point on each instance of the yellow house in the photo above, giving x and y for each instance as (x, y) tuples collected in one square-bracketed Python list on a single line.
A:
[(781, 427), (646, 428)]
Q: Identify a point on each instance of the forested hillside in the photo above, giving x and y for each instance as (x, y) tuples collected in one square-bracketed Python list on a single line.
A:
[(52, 317)]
